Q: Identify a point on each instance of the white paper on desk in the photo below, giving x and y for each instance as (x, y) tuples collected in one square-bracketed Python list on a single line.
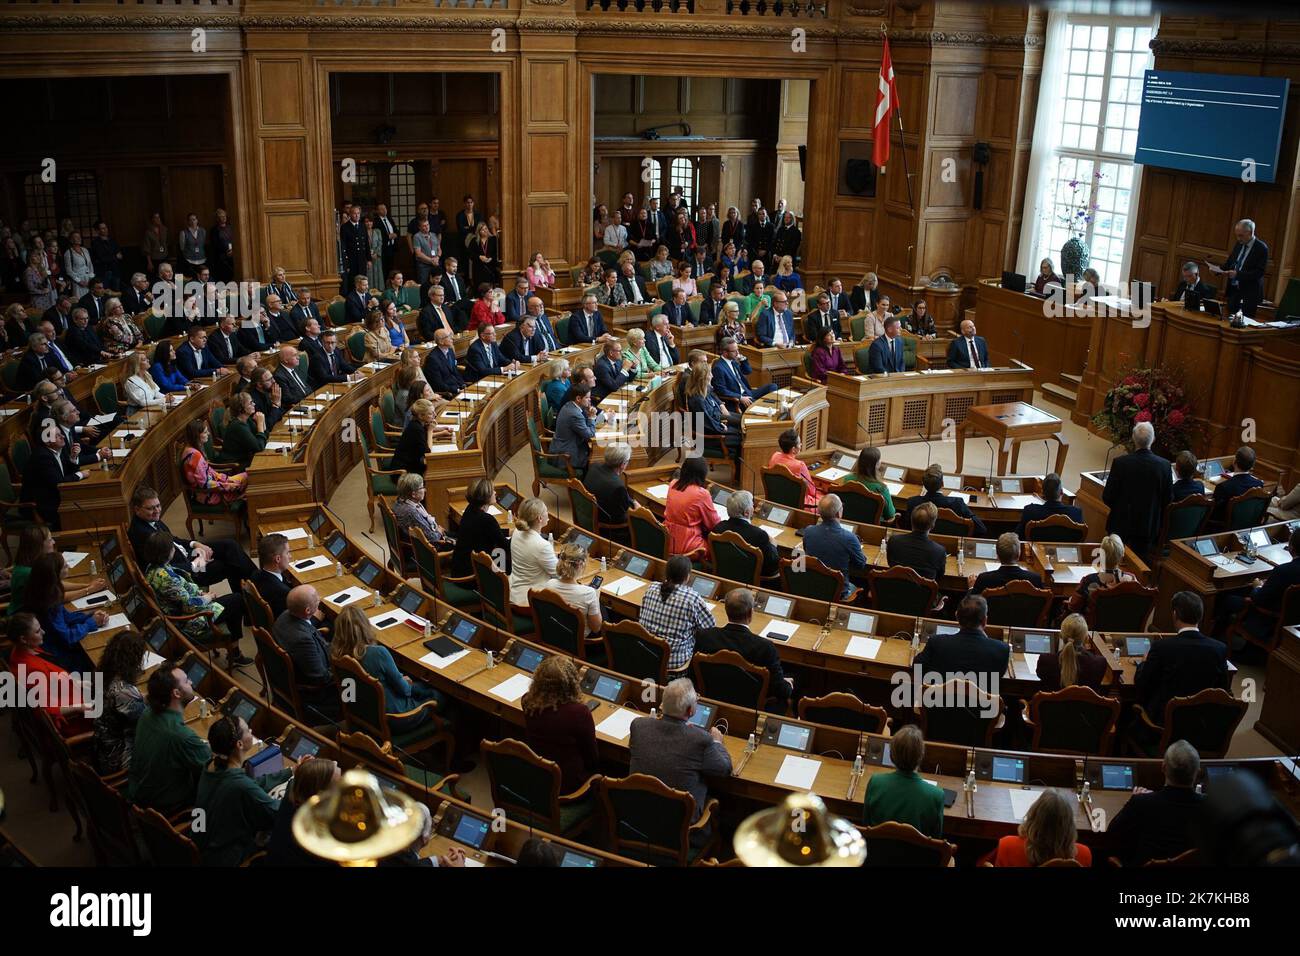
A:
[(278, 445), (1031, 661), (115, 620), (1070, 573), (347, 596), (470, 397), (761, 410), (623, 586), (618, 724), (151, 660), (939, 371), (788, 628), (6, 412), (865, 647), (513, 688), (770, 531), (798, 772), (374, 365), (832, 474), (301, 423), (471, 862), (319, 561), (119, 452), (658, 491), (1235, 567), (439, 663), (933, 783), (94, 600), (294, 533), (1019, 502), (788, 393), (101, 420), (73, 558), (493, 510), (711, 605), (1022, 800), (894, 488), (393, 618)]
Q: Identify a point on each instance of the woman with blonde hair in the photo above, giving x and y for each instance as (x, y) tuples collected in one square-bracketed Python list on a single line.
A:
[(557, 724), (555, 382), (532, 556), (569, 563), (864, 296), (1076, 663), (1109, 574), (638, 352), (354, 636), (539, 272), (246, 431), (140, 388), (379, 346), (407, 375), (485, 260), (1047, 832), (118, 331), (786, 279), (661, 267)]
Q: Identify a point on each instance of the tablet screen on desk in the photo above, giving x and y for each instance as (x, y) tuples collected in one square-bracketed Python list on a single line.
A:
[(607, 688), (1136, 646), (777, 606), (109, 547), (894, 473), (581, 540), (1213, 469), (952, 482), (988, 550), (196, 670), (157, 638), (1067, 555), (1010, 486), (507, 499), (862, 623), (316, 522), (703, 716), (704, 587), (637, 566), (1259, 538), (241, 706), (778, 516), (367, 571), (1038, 643), (794, 737), (1116, 776), (299, 747), (575, 859), (1008, 769), (886, 759), (847, 462), (408, 600), (471, 831), (943, 630), (1206, 547), (528, 658), (463, 630), (721, 496), (117, 573), (336, 544)]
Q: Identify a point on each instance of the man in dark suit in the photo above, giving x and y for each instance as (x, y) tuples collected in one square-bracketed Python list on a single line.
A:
[(330, 367), (757, 273), (1186, 483), (711, 307), (585, 324), (46, 470), (737, 636), (1236, 482), (434, 315), (93, 302), (730, 377), (675, 752), (660, 342), (282, 327), (775, 326), (1051, 506), (221, 560), (915, 550), (1244, 269), (968, 652), (273, 560), (604, 479), (484, 357), (818, 321), (359, 302), (1008, 570), (59, 315), (294, 386), (632, 286), (1158, 825), (838, 300), (81, 343), (440, 369), (613, 370), (886, 352), (194, 358), (224, 344), (355, 246), (35, 361), (740, 515), (384, 223), (969, 351), (1181, 665), (678, 312), (267, 397), (545, 332), (454, 286), (1137, 489), (517, 301), (932, 482), (1192, 284), (522, 344), (257, 336), (758, 237), (309, 340), (1267, 596), (296, 633), (136, 297), (305, 309)]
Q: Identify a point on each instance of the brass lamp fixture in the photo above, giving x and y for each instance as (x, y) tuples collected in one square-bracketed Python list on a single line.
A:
[(356, 822), (799, 832)]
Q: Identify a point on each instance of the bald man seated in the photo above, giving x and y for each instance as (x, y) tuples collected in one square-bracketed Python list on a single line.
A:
[(296, 633)]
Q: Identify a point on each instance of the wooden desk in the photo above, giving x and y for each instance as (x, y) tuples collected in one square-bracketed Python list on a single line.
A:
[(1279, 717), (806, 414), (878, 409), (1024, 327), (1010, 423)]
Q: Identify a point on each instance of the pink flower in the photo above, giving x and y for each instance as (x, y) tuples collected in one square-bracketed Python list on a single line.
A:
[(1142, 417), (1132, 380), (1175, 418), (1141, 399)]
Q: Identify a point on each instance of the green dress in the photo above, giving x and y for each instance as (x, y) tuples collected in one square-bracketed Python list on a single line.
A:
[(17, 586), (880, 488), (903, 797), (241, 443), (236, 808)]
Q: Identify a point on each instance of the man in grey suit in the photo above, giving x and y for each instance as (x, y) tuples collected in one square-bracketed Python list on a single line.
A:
[(309, 651), (674, 751), (576, 426)]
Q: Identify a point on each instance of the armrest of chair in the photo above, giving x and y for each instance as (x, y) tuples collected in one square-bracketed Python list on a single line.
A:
[(586, 791), (1146, 718), (706, 817), (429, 706)]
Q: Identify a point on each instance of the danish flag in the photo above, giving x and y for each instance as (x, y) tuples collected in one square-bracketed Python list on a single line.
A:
[(886, 103)]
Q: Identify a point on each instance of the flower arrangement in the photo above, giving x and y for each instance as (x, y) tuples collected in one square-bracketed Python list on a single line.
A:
[(1079, 213), (1152, 395)]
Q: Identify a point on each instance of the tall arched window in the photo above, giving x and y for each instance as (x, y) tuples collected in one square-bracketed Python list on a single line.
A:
[(652, 178), (38, 201)]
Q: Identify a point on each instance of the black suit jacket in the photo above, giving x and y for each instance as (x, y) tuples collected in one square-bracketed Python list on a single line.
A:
[(1038, 512), (32, 368), (711, 310), (755, 536), (627, 284), (916, 551), (1004, 575), (355, 307), (610, 492), (757, 650), (454, 288), (262, 403), (272, 590), (1179, 666), (441, 373), (959, 353), (428, 323), (860, 301), (1136, 491), (516, 306), (1249, 282), (512, 346), (138, 532), (411, 448), (82, 346), (94, 307), (251, 342), (483, 359), (298, 315), (223, 354), (327, 370), (283, 327), (940, 500), (678, 314), (291, 392), (133, 301), (41, 480), (610, 378), (1156, 826), (652, 346), (965, 652), (582, 331), (356, 247), (815, 325)]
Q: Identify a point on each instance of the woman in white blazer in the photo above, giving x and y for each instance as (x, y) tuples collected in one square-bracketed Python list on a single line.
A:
[(141, 390), (532, 556)]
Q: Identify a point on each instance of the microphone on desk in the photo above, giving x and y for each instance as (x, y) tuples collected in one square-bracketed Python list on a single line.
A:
[(1105, 474), (993, 454), (921, 436)]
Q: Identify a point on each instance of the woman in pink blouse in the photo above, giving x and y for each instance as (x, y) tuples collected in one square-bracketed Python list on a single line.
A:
[(826, 356), (788, 457), (209, 486), (690, 514), (540, 274)]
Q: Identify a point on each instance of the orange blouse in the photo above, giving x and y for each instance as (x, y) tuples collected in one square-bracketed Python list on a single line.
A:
[(800, 470), (690, 515)]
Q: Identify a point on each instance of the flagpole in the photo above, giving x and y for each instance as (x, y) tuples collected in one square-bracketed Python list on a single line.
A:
[(902, 144)]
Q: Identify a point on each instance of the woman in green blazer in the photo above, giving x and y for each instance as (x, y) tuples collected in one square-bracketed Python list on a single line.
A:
[(640, 354), (867, 473), (246, 430)]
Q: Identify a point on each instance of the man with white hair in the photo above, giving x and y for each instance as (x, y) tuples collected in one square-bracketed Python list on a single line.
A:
[(605, 481), (740, 514), (833, 544), (1138, 488), (660, 342), (1158, 825), (1244, 269), (676, 752)]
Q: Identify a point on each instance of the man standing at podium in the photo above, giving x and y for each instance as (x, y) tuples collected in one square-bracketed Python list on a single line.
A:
[(1137, 489), (1244, 270)]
